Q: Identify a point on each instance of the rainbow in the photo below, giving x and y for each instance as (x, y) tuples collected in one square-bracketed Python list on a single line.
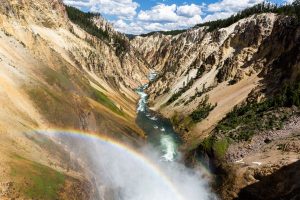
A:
[(120, 146)]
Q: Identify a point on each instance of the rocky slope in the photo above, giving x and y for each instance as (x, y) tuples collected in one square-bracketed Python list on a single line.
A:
[(54, 75), (226, 64), (204, 75)]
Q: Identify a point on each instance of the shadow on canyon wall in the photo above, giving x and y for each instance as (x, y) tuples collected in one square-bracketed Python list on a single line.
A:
[(281, 185)]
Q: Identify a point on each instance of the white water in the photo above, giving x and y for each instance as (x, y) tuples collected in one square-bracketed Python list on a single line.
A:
[(169, 148), (143, 99), (168, 143), (121, 174)]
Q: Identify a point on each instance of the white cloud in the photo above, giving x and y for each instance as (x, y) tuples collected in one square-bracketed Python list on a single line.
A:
[(159, 13), (189, 10), (120, 8), (225, 8), (76, 3), (217, 15), (131, 27), (154, 27), (289, 1), (232, 5), (162, 16)]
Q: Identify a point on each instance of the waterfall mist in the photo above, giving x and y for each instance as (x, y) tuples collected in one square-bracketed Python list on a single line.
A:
[(120, 173)]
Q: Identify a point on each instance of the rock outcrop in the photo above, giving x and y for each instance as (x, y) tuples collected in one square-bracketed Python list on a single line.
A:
[(248, 61), (55, 75), (227, 64)]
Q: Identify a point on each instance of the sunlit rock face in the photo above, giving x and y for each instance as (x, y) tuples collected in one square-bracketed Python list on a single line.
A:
[(227, 64), (246, 62), (54, 74)]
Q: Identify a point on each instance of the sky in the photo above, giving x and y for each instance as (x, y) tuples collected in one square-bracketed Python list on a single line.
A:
[(143, 16)]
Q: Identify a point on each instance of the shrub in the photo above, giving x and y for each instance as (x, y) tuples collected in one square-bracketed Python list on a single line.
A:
[(202, 110), (216, 146), (220, 147)]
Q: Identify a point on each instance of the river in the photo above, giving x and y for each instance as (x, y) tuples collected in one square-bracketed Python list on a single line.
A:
[(159, 131), (120, 172)]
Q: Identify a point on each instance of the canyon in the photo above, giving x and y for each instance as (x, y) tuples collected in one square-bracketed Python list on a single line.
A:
[(247, 61), (58, 76)]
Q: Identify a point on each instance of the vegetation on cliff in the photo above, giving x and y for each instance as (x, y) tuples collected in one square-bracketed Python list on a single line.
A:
[(186, 87), (252, 117), (85, 21), (104, 100), (248, 119), (289, 10), (184, 123), (42, 182), (202, 110)]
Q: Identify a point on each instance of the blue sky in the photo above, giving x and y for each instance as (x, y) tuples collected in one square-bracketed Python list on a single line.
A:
[(138, 16)]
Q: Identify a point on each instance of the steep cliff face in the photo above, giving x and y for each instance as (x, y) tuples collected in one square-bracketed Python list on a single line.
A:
[(55, 75), (225, 64), (46, 13), (44, 47), (203, 76)]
